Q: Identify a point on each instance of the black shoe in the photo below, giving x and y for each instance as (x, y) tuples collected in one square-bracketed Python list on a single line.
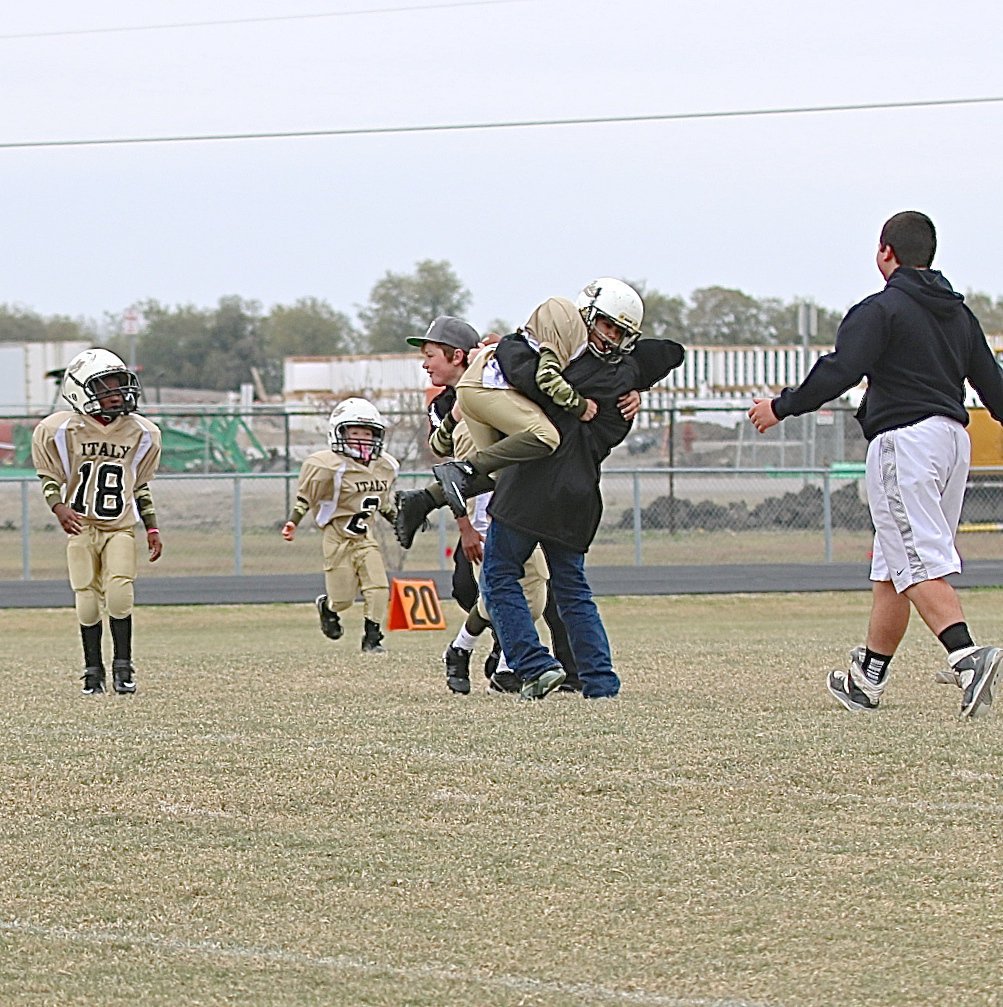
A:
[(457, 661), (121, 673), (572, 683), (372, 638), (455, 479), (491, 661), (976, 675), (330, 624), (505, 681), (93, 681), (413, 508), (543, 685), (845, 691)]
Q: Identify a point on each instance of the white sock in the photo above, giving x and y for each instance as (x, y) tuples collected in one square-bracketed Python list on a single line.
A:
[(959, 655), (464, 641)]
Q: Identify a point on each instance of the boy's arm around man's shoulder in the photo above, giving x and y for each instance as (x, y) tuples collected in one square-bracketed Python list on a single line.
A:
[(520, 364)]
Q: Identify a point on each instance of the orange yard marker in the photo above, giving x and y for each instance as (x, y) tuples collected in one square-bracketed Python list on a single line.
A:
[(414, 604)]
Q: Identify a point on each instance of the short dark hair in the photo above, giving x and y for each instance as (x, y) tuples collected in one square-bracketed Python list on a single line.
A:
[(912, 237), (449, 351)]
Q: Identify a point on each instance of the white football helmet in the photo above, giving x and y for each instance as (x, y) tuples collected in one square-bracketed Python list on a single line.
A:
[(86, 386), (622, 305), (356, 413)]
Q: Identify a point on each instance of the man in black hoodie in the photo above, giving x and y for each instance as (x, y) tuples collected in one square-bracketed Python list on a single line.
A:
[(916, 342)]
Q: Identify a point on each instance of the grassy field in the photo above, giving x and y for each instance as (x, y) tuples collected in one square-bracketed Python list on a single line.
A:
[(275, 819)]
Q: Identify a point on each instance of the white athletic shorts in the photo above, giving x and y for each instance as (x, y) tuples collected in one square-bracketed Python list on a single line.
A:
[(916, 479)]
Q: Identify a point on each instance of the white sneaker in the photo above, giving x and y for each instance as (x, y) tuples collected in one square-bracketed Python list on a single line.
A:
[(976, 673)]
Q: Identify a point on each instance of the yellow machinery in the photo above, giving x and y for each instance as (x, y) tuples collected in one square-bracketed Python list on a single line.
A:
[(987, 438)]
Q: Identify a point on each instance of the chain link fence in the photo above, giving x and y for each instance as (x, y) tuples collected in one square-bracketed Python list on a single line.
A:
[(690, 485)]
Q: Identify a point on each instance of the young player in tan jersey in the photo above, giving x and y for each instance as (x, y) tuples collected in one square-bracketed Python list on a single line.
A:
[(344, 487), (95, 464), (506, 426)]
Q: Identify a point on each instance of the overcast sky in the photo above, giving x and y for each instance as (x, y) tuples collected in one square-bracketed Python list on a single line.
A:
[(786, 206)]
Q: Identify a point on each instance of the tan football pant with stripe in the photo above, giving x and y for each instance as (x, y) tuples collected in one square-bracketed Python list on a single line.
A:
[(353, 566), (493, 413), (102, 569)]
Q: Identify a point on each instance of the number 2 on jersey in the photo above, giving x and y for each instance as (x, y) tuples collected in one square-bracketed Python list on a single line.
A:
[(357, 523)]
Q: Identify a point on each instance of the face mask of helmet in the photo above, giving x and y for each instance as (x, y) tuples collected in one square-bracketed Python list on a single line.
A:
[(347, 442), (610, 349), (111, 395), (620, 305)]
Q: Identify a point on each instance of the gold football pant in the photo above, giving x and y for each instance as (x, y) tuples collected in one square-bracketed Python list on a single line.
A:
[(102, 569), (353, 566), (504, 415)]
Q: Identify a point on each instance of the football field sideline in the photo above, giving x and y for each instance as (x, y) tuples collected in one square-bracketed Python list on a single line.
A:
[(606, 581)]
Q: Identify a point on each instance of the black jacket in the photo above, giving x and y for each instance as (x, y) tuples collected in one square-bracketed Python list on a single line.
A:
[(916, 342), (557, 498)]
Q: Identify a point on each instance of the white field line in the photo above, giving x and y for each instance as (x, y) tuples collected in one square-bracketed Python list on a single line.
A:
[(587, 992)]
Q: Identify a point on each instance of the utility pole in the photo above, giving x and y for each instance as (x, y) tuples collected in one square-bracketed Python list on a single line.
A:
[(130, 328)]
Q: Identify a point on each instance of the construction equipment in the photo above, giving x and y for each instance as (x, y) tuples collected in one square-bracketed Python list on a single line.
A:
[(209, 443)]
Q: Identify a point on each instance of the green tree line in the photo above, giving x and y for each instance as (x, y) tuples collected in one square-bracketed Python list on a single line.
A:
[(224, 346)]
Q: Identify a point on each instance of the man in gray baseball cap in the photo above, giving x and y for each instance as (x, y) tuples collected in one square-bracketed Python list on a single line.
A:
[(448, 330), (445, 349)]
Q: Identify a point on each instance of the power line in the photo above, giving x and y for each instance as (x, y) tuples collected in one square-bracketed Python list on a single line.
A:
[(305, 134), (257, 20)]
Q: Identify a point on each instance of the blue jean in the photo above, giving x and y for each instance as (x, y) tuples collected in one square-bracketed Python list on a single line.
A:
[(505, 553)]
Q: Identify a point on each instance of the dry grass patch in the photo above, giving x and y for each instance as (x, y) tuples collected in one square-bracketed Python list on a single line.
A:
[(277, 819)]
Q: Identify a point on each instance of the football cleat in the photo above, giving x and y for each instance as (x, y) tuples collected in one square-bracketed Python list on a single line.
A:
[(372, 638), (330, 624), (455, 478), (502, 678), (491, 661), (122, 672), (93, 681), (457, 662), (413, 508), (504, 681)]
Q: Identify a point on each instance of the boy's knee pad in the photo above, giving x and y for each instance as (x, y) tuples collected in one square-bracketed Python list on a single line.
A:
[(87, 604), (119, 597)]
